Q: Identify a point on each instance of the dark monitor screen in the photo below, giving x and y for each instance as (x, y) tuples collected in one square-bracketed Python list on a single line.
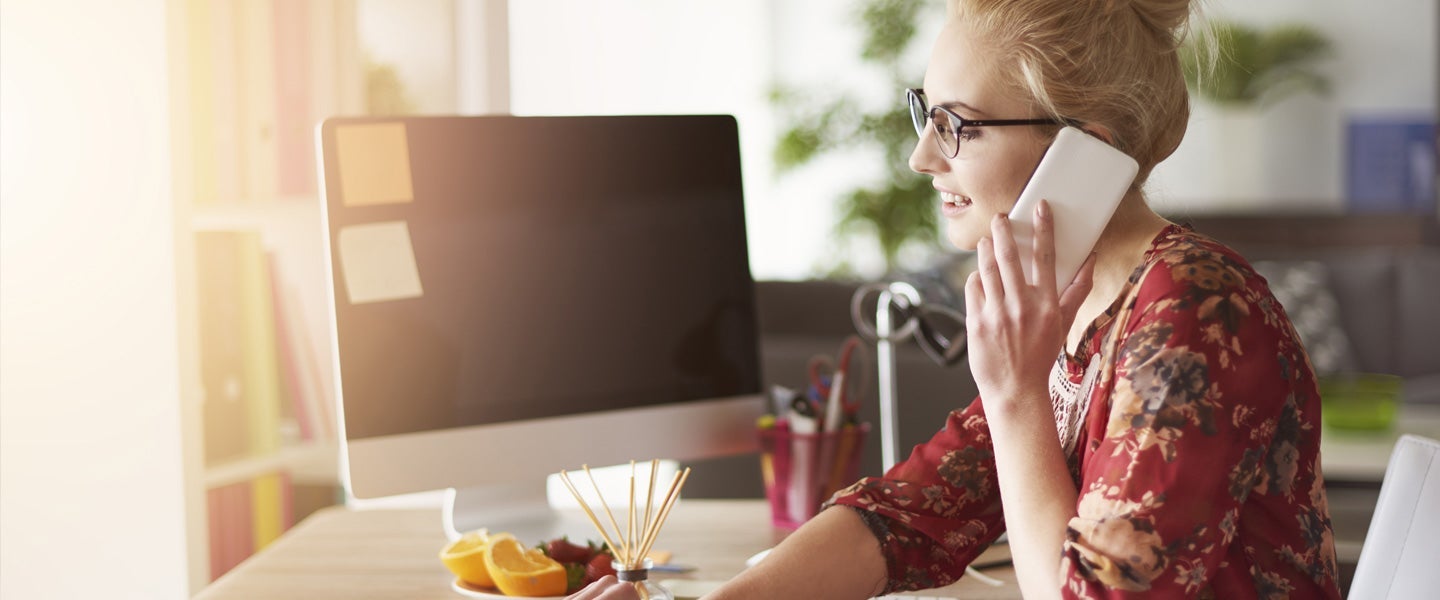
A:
[(557, 266)]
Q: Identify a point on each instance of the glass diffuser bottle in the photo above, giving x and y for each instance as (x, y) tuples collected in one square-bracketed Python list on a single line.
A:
[(639, 576)]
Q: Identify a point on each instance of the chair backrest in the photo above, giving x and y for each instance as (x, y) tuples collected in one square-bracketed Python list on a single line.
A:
[(1401, 555)]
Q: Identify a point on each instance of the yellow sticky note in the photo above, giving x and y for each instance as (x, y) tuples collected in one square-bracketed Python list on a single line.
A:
[(374, 164), (377, 262)]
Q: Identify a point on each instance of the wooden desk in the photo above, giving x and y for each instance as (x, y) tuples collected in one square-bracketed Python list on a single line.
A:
[(384, 554), (388, 554)]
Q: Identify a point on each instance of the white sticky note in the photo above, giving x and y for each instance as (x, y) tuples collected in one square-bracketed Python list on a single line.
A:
[(377, 262)]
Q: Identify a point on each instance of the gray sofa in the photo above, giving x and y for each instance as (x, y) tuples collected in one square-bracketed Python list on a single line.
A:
[(1384, 273)]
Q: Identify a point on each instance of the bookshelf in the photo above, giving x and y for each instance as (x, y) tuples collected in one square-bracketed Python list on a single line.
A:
[(306, 462), (249, 81)]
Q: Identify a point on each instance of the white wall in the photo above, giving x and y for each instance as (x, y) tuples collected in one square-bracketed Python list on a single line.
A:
[(425, 63), (662, 56), (90, 462), (659, 56)]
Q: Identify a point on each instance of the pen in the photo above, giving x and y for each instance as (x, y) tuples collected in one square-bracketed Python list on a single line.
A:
[(801, 492), (841, 460), (833, 412), (829, 458)]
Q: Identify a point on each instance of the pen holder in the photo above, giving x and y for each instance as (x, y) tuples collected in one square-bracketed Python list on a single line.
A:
[(802, 470)]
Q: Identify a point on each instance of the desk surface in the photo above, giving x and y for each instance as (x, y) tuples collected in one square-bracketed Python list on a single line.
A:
[(341, 553), (1363, 455)]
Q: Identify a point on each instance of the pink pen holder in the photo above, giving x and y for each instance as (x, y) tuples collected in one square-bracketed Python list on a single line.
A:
[(802, 470)]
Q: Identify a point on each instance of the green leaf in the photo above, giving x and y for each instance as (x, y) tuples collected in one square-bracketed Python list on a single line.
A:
[(574, 577), (901, 208), (1231, 63), (796, 147), (902, 211), (889, 27)]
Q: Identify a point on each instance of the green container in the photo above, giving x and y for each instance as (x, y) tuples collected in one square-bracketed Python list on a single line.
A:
[(1360, 401)]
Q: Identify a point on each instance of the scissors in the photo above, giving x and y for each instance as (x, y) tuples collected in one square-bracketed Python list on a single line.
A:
[(822, 371)]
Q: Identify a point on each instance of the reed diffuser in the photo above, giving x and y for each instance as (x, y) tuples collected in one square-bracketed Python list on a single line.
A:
[(630, 545)]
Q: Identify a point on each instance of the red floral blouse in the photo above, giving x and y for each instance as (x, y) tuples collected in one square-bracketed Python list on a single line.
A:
[(1196, 458)]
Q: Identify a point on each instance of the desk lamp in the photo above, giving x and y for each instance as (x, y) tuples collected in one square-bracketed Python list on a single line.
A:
[(900, 313)]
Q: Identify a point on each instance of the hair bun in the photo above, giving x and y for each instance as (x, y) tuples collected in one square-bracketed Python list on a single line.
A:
[(1168, 17)]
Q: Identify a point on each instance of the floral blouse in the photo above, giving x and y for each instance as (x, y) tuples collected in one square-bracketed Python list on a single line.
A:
[(1196, 458)]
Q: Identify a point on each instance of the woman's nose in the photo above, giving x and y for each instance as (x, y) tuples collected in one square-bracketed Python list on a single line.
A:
[(926, 158)]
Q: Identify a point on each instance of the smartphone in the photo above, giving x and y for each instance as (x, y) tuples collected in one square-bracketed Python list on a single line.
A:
[(1083, 178)]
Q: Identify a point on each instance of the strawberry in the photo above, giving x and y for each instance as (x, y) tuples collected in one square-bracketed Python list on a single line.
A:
[(563, 551), (598, 567)]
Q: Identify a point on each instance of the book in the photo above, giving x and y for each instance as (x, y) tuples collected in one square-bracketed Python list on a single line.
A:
[(222, 354), (272, 508), (321, 384), (255, 33), (300, 365), (1390, 164), (238, 353), (294, 117), (232, 537), (261, 363), (297, 395)]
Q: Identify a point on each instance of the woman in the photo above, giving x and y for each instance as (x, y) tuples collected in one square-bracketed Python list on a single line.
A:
[(1153, 429)]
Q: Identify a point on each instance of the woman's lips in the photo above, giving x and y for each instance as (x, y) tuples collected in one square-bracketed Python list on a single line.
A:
[(953, 204)]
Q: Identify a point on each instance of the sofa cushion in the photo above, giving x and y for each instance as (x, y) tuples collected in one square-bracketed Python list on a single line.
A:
[(1364, 284), (1303, 288), (1418, 339)]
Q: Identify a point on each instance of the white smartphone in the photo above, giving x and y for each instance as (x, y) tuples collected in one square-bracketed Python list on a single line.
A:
[(1083, 178)]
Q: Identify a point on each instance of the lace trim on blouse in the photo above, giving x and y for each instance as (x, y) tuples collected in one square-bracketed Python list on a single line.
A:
[(1070, 400)]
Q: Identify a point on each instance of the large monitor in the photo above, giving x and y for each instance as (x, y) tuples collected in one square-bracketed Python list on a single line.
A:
[(513, 296)]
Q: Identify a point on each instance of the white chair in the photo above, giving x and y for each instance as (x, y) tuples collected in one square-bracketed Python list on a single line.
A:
[(1401, 555)]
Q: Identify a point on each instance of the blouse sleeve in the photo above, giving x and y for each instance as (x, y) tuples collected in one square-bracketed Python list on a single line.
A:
[(936, 511), (1203, 382)]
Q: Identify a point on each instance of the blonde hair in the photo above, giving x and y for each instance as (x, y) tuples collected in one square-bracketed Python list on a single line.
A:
[(1108, 63)]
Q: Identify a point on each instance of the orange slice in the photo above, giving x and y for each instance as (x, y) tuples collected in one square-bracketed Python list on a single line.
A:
[(465, 557), (518, 572)]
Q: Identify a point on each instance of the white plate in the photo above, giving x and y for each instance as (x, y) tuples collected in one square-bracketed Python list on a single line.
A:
[(470, 591)]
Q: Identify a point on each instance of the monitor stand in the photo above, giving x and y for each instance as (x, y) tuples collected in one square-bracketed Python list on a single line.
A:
[(540, 509), (517, 508)]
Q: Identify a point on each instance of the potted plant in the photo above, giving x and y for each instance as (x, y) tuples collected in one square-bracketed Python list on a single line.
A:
[(1237, 65), (899, 209), (1237, 71)]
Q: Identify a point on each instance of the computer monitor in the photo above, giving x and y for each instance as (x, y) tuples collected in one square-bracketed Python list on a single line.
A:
[(513, 296)]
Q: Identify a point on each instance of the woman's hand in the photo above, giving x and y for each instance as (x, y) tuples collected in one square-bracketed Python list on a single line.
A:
[(1015, 329), (606, 588)]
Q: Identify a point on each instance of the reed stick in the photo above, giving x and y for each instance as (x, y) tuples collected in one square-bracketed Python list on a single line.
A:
[(565, 478), (641, 531), (649, 496), (630, 521), (606, 505), (674, 480), (664, 513)]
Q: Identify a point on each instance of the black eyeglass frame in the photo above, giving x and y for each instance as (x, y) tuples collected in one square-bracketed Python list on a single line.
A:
[(915, 99)]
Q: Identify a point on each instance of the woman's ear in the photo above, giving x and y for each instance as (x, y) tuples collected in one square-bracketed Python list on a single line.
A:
[(1099, 131)]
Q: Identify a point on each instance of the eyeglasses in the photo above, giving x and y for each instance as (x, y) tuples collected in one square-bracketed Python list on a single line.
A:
[(947, 130)]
